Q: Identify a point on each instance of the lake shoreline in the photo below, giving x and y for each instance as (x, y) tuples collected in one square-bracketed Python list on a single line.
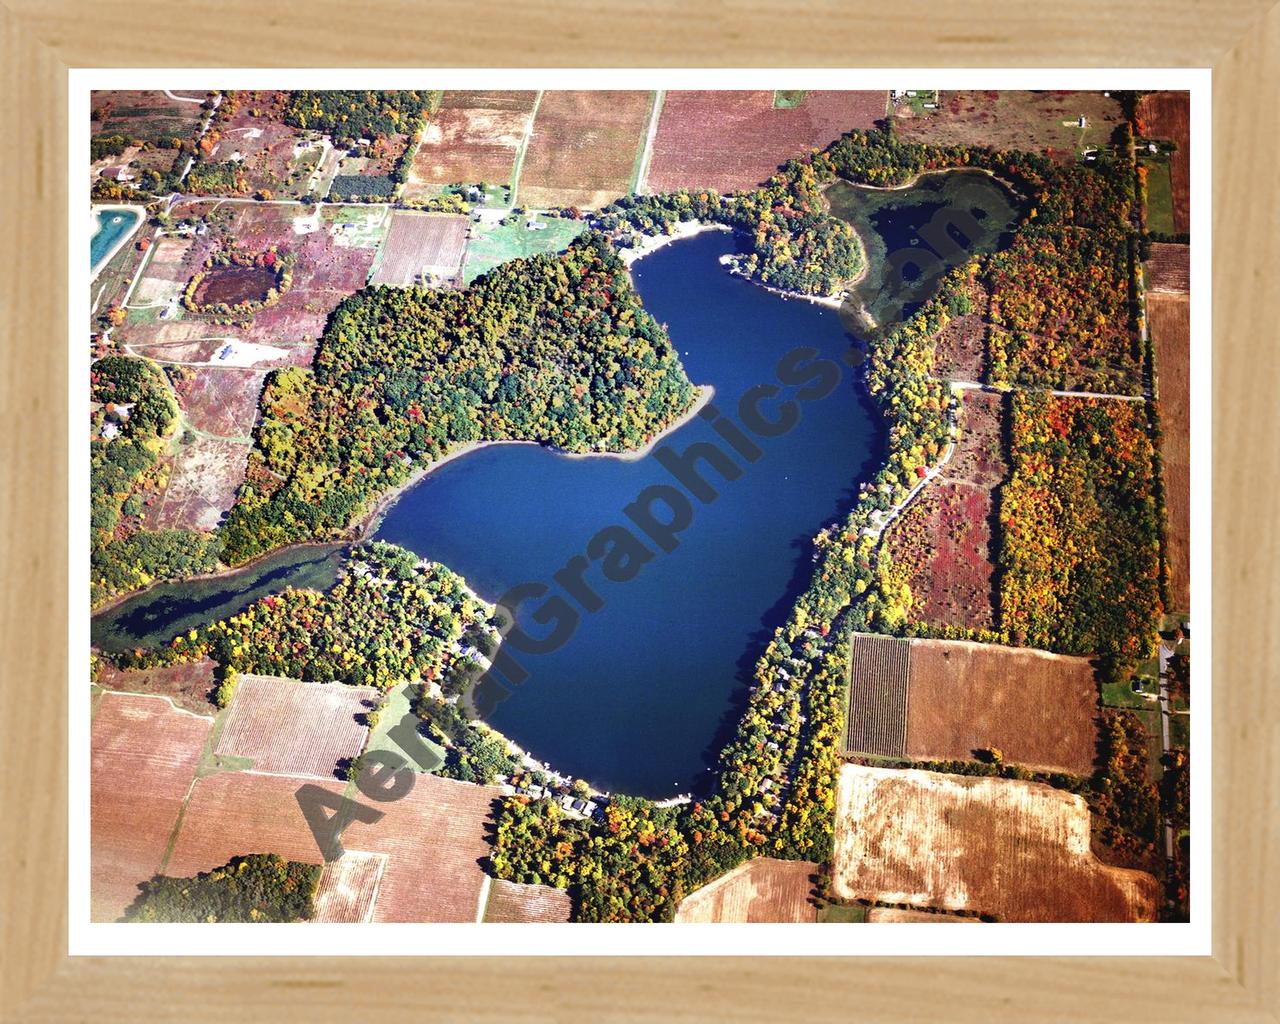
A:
[(96, 211), (368, 523)]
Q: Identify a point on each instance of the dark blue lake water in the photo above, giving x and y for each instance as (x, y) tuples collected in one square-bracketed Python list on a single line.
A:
[(640, 698)]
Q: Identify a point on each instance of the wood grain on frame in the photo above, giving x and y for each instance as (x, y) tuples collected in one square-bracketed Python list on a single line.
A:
[(39, 39)]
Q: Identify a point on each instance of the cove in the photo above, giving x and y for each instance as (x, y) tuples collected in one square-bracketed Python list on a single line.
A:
[(156, 616), (113, 224), (643, 694), (914, 235)]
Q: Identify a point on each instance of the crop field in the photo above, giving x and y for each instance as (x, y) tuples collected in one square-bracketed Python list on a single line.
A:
[(421, 247), (473, 137), (174, 260), (1169, 268), (203, 479), (335, 248), (293, 728), (512, 903), (1045, 121), (144, 757), (585, 148), (187, 684), (349, 887), (879, 679), (434, 838), (1170, 322), (1040, 710), (492, 244), (761, 891), (1012, 850), (273, 155), (944, 538), (893, 915), (233, 813), (145, 115), (728, 141), (1167, 116)]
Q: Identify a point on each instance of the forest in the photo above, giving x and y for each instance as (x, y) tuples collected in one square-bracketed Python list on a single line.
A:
[(257, 888), (135, 415), (553, 348), (1080, 553), (350, 115)]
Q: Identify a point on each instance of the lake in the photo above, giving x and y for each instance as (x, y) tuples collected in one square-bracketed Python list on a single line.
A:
[(644, 692), (649, 687), (114, 223)]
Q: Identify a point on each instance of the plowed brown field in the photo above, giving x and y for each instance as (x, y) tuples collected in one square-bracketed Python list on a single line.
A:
[(1017, 851), (1170, 323), (1040, 710), (144, 756), (761, 891)]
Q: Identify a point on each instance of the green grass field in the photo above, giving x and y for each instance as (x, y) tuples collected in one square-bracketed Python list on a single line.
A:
[(785, 99), (492, 245), (392, 713), (833, 913), (1159, 197)]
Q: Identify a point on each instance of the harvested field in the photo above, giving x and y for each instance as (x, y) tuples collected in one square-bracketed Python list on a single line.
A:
[(512, 903), (1016, 851), (944, 538), (1167, 116), (294, 728), (147, 115), (144, 757), (421, 247), (585, 147), (435, 838), (220, 402), (1170, 322), (168, 270), (234, 813), (727, 140), (960, 348), (879, 678), (473, 137), (205, 475), (1040, 710), (761, 891), (1169, 269), (1009, 119), (349, 887), (187, 684)]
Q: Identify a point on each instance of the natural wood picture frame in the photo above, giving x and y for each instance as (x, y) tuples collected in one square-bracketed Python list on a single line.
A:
[(39, 982)]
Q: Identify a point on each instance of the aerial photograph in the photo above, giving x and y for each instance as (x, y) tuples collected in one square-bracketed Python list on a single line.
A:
[(690, 506)]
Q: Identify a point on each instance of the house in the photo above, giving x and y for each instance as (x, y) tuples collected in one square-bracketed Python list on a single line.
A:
[(536, 225), (118, 172), (110, 431), (1082, 123)]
